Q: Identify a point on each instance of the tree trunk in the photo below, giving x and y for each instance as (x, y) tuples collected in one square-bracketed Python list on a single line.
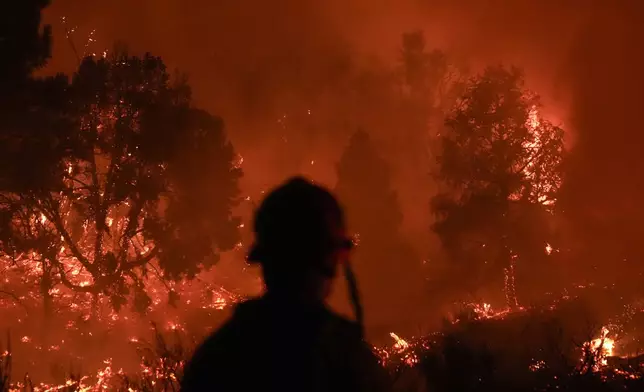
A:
[(48, 304), (45, 291), (95, 307), (510, 288)]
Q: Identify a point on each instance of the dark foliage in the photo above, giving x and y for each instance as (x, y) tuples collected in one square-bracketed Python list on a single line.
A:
[(163, 362), (24, 45), (500, 164), (538, 350), (124, 176)]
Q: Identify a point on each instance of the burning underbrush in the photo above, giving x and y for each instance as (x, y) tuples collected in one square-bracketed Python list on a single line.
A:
[(87, 345), (161, 366), (565, 345)]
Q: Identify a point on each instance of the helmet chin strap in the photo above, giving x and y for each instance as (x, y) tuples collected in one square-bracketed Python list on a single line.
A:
[(354, 296)]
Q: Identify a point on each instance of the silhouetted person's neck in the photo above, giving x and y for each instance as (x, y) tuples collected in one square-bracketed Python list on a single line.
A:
[(290, 297)]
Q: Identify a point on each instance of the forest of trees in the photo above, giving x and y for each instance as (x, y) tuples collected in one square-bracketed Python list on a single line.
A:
[(103, 179), (116, 174), (458, 188)]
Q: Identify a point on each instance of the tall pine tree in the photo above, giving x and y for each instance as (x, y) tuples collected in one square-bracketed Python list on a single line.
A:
[(389, 272)]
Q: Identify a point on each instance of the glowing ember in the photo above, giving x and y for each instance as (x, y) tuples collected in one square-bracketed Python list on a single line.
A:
[(542, 186), (533, 118), (401, 344), (537, 365), (401, 350), (484, 310), (602, 347)]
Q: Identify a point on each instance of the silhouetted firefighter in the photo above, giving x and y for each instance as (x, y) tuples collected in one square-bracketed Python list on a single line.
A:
[(288, 340)]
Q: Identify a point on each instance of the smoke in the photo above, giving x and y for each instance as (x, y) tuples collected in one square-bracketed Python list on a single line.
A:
[(251, 62), (606, 78), (259, 63), (604, 193)]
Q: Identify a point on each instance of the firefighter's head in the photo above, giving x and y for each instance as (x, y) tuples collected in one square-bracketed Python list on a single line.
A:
[(300, 239)]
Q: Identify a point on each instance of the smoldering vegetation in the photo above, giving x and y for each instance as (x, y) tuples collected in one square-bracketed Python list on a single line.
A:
[(364, 98)]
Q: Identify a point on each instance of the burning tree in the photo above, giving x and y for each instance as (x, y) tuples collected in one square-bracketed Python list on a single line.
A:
[(388, 269), (24, 46), (501, 166), (131, 180)]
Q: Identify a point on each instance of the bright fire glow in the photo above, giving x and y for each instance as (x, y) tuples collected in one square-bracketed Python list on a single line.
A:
[(602, 347), (534, 146), (400, 344), (401, 348)]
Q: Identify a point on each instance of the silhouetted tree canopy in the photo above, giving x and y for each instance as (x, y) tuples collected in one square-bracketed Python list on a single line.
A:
[(127, 178), (500, 163), (29, 106), (24, 45)]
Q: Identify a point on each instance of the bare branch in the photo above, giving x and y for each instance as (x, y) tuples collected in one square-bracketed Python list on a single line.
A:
[(75, 179), (67, 283), (15, 298), (142, 260), (54, 217)]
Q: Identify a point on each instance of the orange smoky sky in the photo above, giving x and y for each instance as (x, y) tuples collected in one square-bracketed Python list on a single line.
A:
[(251, 61), (248, 59)]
